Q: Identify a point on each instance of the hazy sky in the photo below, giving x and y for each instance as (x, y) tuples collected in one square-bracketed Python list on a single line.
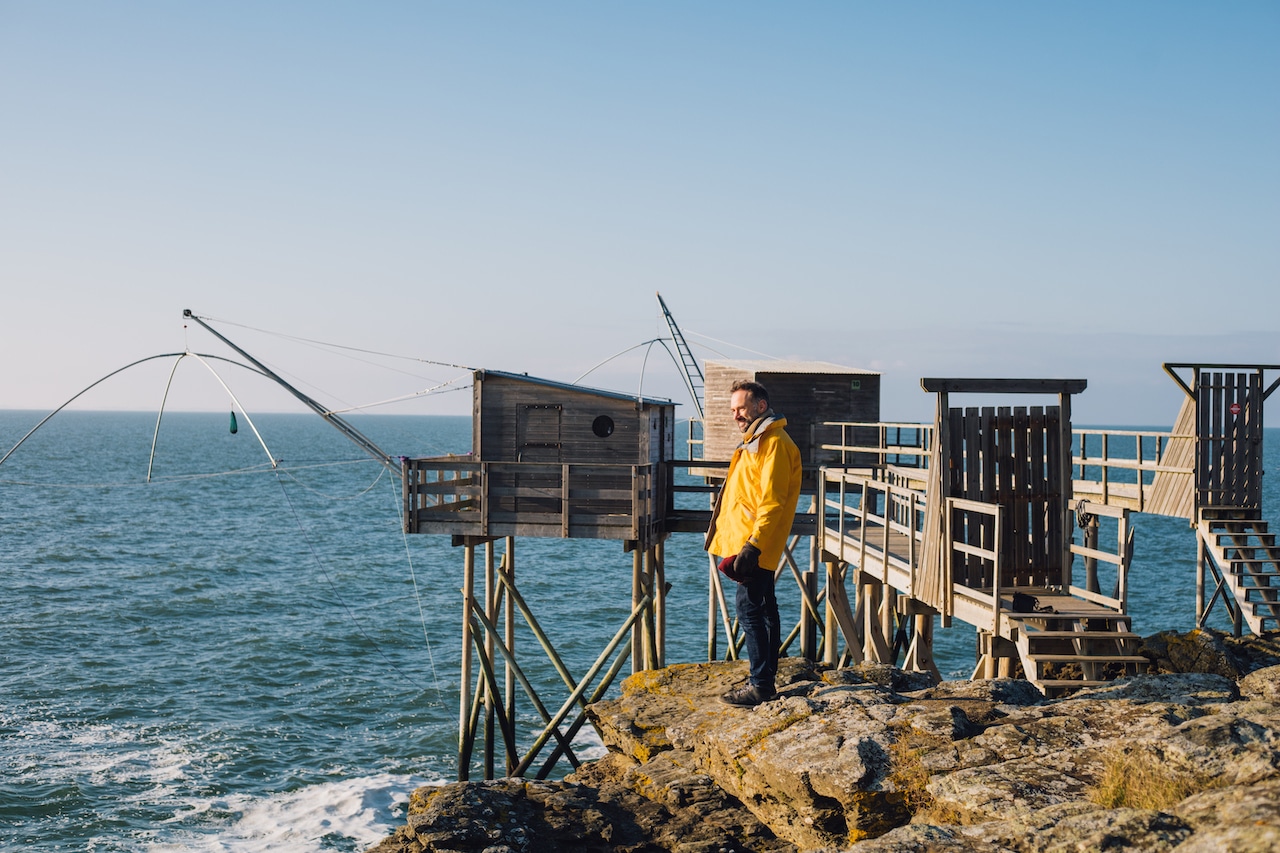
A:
[(1081, 189)]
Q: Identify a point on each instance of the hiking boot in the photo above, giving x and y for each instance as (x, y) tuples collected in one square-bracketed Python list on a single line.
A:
[(746, 696)]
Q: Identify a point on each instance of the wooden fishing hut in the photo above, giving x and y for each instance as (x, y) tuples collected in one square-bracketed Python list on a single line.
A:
[(816, 397), (554, 460)]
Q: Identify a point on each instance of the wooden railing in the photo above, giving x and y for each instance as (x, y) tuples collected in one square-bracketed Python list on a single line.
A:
[(913, 452), (1108, 466), (695, 444), (452, 495), (873, 511), (1091, 553), (972, 530), (1102, 474)]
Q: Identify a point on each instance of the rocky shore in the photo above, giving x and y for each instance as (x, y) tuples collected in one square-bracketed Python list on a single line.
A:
[(873, 759)]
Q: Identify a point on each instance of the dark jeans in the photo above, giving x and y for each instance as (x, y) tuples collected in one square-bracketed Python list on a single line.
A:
[(757, 607)]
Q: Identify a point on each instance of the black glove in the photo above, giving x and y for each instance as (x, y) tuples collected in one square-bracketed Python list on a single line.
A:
[(748, 562)]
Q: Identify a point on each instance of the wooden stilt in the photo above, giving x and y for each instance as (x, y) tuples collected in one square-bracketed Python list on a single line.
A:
[(509, 637), (715, 596), (464, 683), (491, 697), (830, 635), (660, 602), (637, 593)]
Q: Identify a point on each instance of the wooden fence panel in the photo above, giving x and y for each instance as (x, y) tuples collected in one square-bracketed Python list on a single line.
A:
[(1011, 457)]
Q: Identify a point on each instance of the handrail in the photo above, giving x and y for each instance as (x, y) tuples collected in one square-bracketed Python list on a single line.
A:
[(992, 554), (1120, 559), (882, 449), (1135, 460), (899, 503)]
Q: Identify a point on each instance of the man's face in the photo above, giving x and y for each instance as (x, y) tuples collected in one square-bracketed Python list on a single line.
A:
[(745, 409)]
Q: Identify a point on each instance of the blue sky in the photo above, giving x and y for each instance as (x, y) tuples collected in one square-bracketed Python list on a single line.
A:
[(926, 189)]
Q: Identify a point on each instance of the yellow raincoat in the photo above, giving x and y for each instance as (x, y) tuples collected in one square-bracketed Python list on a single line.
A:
[(758, 501)]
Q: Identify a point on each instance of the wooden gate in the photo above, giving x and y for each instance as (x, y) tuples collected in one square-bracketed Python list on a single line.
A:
[(1010, 457), (1229, 440), (1228, 426), (1017, 461)]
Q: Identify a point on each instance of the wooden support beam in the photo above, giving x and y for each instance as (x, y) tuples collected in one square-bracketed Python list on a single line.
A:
[(506, 653), (875, 646), (553, 722), (1003, 386)]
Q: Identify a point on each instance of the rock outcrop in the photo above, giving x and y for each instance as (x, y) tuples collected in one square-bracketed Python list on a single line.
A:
[(872, 759)]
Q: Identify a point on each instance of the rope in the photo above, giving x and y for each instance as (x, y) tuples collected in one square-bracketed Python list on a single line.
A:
[(417, 595), (180, 478), (728, 344), (253, 469), (341, 346), (381, 472), (334, 589)]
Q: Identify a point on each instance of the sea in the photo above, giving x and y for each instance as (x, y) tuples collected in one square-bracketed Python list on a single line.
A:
[(221, 640)]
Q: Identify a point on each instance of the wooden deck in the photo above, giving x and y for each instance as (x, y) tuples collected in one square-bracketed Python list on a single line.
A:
[(1069, 638)]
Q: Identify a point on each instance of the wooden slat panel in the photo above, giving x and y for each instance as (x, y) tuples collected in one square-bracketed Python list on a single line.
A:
[(1053, 509), (1038, 484), (1174, 494)]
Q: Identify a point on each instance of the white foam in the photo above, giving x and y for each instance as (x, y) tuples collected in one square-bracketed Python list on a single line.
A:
[(346, 814), (588, 746)]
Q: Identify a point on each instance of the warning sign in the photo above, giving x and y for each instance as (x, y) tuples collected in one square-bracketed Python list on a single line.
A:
[(1235, 408)]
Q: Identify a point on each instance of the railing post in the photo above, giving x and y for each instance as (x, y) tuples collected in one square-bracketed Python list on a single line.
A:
[(1106, 478)]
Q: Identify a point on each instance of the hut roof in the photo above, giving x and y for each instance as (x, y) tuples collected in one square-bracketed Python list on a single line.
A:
[(568, 386), (770, 365)]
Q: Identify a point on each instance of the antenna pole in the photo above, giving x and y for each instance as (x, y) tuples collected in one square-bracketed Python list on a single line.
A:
[(338, 423), (693, 379)]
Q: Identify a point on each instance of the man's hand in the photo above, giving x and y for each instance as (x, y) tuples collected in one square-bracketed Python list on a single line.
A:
[(748, 561)]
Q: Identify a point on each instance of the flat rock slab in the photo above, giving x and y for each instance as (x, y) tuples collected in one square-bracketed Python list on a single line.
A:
[(872, 759)]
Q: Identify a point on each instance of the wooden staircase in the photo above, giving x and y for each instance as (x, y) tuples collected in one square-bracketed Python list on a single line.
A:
[(1085, 646), (1245, 561)]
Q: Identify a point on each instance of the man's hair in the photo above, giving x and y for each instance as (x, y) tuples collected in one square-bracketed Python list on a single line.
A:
[(754, 389)]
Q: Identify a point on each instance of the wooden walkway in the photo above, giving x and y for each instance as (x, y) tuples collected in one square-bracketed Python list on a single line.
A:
[(1059, 639), (974, 522)]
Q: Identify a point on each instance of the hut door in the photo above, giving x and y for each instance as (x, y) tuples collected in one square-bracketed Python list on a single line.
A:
[(1229, 439), (538, 433)]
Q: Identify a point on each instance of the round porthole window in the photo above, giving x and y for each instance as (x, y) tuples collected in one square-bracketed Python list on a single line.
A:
[(602, 426)]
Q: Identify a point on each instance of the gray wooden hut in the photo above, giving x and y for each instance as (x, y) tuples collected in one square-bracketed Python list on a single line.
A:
[(549, 459), (810, 394)]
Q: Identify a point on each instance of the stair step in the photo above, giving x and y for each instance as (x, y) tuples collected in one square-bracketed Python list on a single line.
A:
[(1269, 610), (1066, 614), (1212, 511), (1085, 658), (1068, 682), (1265, 540), (1234, 555), (1250, 568), (1086, 635)]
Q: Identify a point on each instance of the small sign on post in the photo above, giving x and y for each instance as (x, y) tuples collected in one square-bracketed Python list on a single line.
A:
[(1235, 408)]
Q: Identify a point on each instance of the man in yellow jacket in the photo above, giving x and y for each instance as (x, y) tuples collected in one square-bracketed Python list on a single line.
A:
[(749, 529)]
